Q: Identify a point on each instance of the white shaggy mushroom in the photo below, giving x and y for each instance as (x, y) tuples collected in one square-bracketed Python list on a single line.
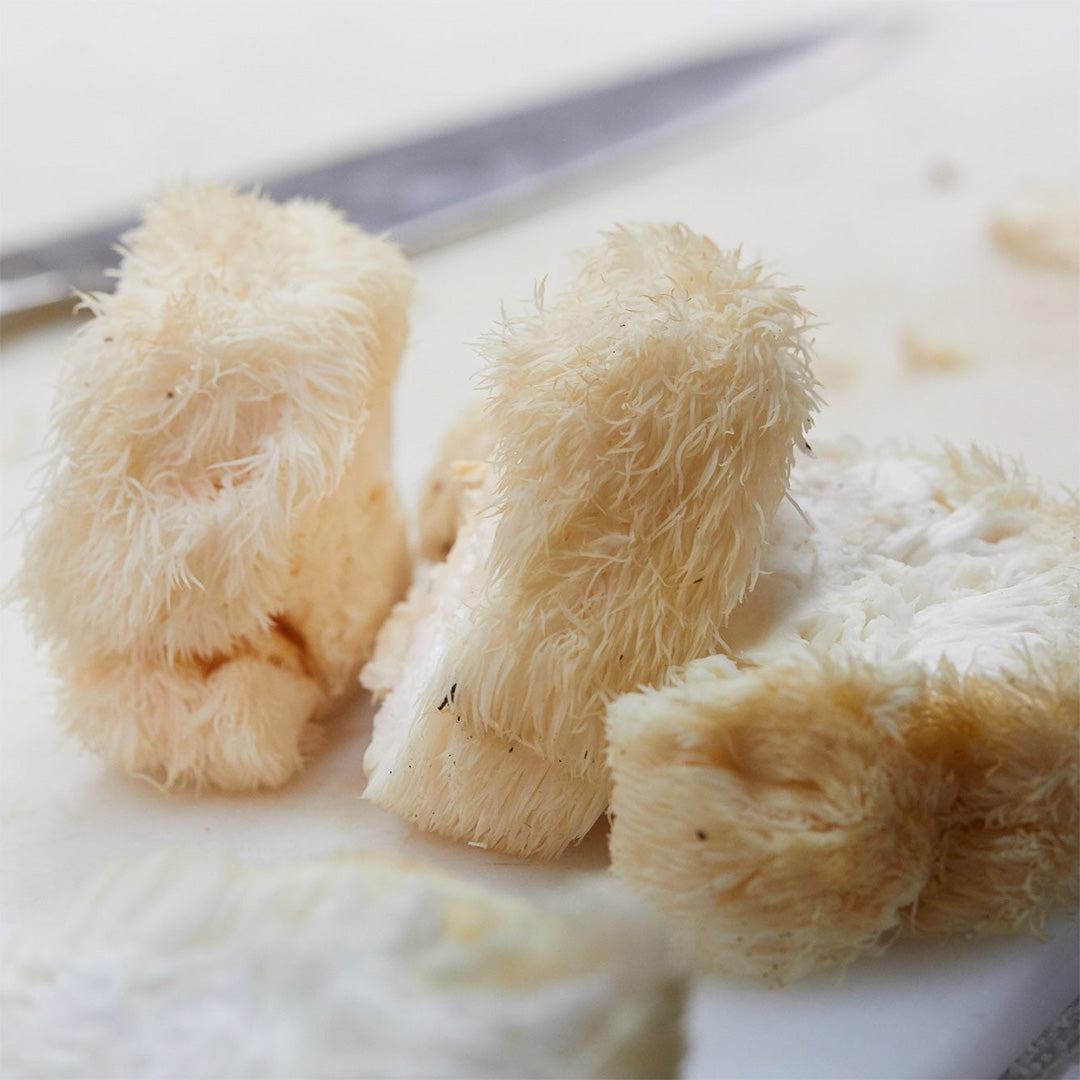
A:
[(359, 966), (893, 748), (644, 424), (219, 541)]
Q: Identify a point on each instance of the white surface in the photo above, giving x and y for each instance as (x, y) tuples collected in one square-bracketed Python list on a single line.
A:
[(102, 103)]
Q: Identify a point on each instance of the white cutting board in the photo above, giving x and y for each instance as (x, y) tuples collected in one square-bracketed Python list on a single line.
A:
[(878, 201)]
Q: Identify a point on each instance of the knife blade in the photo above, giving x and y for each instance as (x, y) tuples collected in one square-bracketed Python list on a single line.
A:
[(451, 184)]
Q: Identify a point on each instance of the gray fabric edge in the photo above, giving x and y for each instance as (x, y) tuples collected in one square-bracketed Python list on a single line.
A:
[(1053, 1055)]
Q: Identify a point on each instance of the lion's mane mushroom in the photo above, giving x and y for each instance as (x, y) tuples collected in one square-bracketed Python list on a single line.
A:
[(219, 540), (893, 748), (358, 965), (644, 424)]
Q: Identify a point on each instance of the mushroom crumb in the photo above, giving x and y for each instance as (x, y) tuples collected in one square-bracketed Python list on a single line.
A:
[(924, 354), (1041, 227)]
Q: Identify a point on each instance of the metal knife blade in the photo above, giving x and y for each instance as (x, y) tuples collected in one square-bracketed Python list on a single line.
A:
[(452, 184)]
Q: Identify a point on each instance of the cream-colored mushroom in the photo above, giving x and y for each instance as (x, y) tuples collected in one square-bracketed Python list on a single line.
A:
[(892, 747), (219, 539), (644, 425), (200, 965)]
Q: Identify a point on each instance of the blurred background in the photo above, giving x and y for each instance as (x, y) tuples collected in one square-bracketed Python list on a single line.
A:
[(878, 195), (133, 94), (891, 199)]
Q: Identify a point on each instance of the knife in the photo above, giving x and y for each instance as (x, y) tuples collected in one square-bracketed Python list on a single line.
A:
[(449, 185)]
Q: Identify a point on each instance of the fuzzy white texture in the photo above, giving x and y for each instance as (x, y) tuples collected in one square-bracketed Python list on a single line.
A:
[(220, 476), (201, 967), (645, 423), (915, 557), (428, 766), (891, 745)]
